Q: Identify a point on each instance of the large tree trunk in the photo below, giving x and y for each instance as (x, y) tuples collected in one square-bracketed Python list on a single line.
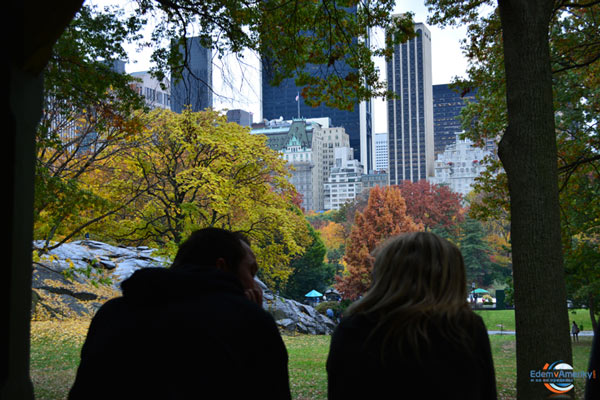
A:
[(528, 152)]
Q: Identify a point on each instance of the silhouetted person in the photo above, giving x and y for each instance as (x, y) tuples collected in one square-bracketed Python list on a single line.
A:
[(575, 332), (592, 387), (193, 331), (413, 331)]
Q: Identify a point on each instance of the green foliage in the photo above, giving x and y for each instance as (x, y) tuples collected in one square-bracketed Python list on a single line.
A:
[(309, 270), (335, 306), (195, 170), (477, 254), (87, 108), (291, 37)]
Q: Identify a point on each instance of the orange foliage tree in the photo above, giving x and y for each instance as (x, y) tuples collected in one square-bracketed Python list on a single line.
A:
[(383, 217)]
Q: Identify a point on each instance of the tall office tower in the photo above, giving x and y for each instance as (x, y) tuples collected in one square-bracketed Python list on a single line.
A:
[(447, 105), (284, 101), (410, 116), (194, 88)]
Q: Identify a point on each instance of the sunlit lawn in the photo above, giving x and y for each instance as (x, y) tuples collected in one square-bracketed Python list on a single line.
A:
[(493, 318), (55, 355)]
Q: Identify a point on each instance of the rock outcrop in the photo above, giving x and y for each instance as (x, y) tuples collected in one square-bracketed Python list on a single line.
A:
[(71, 282)]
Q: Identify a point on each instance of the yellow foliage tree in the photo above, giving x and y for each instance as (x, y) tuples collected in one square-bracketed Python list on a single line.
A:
[(196, 170)]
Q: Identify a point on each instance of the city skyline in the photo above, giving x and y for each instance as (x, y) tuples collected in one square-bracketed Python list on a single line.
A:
[(235, 79)]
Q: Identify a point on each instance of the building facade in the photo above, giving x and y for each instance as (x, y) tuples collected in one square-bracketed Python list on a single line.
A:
[(240, 117), (156, 96), (447, 105), (301, 144), (285, 101), (410, 116), (344, 182), (459, 165), (194, 87), (333, 138), (381, 152)]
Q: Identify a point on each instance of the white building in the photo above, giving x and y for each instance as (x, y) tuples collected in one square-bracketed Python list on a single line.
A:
[(381, 155), (150, 88), (333, 138), (459, 165), (344, 182)]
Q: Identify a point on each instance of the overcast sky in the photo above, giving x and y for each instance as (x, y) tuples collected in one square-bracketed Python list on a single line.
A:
[(236, 85)]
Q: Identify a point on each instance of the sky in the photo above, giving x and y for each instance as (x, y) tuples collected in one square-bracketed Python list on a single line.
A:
[(236, 83)]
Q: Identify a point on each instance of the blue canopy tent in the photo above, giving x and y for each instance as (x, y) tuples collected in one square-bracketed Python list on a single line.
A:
[(313, 293), (313, 296)]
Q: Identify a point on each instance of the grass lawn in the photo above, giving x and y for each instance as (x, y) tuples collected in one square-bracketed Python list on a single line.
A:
[(492, 318), (55, 350)]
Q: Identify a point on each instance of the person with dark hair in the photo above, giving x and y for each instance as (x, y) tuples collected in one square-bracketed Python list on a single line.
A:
[(413, 330), (194, 330)]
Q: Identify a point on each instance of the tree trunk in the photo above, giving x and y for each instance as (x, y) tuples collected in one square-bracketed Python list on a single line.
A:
[(592, 309), (528, 153)]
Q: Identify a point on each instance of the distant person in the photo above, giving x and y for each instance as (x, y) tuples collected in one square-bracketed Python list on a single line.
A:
[(592, 387), (575, 332), (413, 331), (330, 313), (196, 330)]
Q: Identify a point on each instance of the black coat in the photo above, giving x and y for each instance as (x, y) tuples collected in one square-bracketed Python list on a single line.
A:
[(187, 334), (356, 370)]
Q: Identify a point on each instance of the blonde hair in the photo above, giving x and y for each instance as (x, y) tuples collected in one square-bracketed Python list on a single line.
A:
[(419, 285)]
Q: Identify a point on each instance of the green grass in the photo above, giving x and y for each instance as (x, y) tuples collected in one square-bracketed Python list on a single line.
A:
[(55, 356), (492, 318)]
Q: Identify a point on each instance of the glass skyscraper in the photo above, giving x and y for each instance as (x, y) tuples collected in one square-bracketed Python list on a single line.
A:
[(410, 116), (194, 89), (284, 101), (447, 105)]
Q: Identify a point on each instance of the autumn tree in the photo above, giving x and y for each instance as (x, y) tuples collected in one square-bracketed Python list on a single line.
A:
[(197, 170), (432, 205), (89, 107), (384, 217)]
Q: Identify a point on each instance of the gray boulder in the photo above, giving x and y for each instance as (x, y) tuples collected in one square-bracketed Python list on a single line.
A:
[(56, 297), (292, 316)]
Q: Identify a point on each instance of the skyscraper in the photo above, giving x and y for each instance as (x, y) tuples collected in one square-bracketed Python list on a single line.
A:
[(410, 116), (284, 101), (447, 105), (194, 89)]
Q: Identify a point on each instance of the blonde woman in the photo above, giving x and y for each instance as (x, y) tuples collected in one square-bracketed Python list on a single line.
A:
[(413, 331)]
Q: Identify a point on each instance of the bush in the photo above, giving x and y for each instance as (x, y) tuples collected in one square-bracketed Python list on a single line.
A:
[(334, 305)]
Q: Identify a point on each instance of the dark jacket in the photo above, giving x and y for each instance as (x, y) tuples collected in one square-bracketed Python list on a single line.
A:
[(356, 370), (187, 334)]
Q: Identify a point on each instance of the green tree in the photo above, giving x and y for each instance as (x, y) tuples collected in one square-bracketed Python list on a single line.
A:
[(477, 254), (289, 35), (309, 271), (88, 108)]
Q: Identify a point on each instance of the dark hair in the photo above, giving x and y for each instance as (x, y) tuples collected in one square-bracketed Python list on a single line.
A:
[(419, 288), (205, 246)]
